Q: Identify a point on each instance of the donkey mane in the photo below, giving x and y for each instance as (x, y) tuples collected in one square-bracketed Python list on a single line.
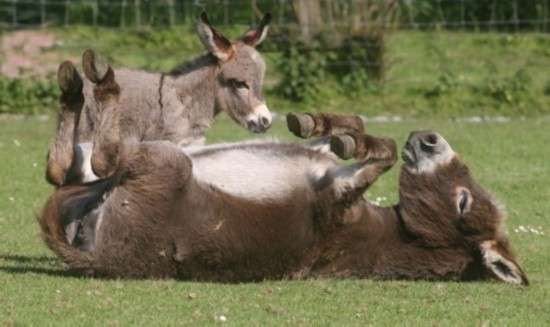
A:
[(202, 61)]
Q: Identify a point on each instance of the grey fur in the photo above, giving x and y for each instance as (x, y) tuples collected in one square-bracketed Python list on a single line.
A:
[(181, 105)]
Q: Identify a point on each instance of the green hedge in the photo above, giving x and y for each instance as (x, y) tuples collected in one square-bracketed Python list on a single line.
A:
[(27, 96)]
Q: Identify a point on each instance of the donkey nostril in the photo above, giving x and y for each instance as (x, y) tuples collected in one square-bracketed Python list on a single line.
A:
[(251, 124), (264, 121), (430, 139)]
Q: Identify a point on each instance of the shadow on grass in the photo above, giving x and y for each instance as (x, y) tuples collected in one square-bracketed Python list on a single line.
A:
[(23, 264), (41, 271), (27, 259)]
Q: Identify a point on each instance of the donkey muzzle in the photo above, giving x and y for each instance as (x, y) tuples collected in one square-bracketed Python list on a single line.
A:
[(259, 120)]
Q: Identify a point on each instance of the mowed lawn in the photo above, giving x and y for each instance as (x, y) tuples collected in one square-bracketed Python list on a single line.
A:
[(512, 159)]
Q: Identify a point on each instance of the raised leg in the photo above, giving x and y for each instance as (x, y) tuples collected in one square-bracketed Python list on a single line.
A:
[(340, 134), (105, 157), (341, 188), (61, 152), (349, 182), (155, 162), (322, 124)]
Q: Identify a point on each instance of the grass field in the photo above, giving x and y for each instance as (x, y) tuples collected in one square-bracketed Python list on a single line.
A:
[(511, 159)]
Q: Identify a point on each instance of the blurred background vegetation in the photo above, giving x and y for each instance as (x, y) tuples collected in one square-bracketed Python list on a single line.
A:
[(408, 58)]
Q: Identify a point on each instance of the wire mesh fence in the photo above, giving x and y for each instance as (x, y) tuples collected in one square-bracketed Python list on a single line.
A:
[(513, 15)]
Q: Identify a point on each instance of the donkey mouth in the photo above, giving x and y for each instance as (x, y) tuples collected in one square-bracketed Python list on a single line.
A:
[(408, 155), (257, 128)]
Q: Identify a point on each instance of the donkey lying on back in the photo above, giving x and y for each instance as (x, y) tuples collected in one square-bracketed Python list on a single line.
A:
[(267, 210), (177, 107)]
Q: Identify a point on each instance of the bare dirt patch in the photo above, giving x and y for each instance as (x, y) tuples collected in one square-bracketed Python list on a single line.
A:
[(28, 53)]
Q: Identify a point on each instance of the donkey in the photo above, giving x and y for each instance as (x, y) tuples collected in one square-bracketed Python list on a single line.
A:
[(178, 106), (260, 210)]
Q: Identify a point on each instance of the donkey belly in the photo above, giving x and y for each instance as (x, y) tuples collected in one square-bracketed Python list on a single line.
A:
[(259, 170)]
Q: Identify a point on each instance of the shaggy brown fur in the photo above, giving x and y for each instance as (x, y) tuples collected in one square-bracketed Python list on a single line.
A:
[(158, 220)]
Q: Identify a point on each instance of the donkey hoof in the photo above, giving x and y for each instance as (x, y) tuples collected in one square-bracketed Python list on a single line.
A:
[(343, 145), (94, 66), (301, 125), (68, 78)]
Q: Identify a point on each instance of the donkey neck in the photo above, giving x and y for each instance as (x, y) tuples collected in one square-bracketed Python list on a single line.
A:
[(197, 77), (401, 254), (378, 245)]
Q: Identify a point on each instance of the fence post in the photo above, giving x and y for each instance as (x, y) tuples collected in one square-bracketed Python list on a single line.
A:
[(545, 23), (441, 15), (94, 13), (493, 15), (123, 14), (411, 13), (282, 4), (225, 12), (14, 13), (463, 15), (137, 12), (516, 15), (42, 13), (171, 13), (66, 19)]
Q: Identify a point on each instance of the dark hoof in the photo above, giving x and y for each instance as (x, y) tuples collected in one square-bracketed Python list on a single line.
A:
[(68, 78), (343, 145), (95, 68), (301, 125)]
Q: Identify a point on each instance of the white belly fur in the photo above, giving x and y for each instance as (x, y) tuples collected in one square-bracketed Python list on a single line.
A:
[(248, 173), (257, 174)]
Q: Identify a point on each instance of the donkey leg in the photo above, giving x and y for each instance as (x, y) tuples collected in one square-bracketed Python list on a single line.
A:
[(349, 182), (94, 66), (61, 152), (106, 135), (324, 127), (159, 162), (340, 188), (323, 124)]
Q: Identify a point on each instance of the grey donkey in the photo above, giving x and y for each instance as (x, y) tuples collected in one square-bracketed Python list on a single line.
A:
[(178, 106)]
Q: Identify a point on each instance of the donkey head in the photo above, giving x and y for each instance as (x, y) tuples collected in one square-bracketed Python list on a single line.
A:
[(241, 74), (443, 207)]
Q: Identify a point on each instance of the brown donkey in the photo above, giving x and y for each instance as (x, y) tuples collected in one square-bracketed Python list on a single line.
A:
[(178, 106), (266, 210)]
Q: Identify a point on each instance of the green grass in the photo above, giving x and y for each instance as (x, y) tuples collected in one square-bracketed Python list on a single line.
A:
[(510, 159)]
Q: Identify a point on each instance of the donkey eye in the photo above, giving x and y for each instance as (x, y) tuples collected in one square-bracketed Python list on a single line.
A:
[(238, 84), (464, 202)]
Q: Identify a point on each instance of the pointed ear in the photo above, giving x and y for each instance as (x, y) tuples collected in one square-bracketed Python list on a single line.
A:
[(256, 35), (506, 270), (214, 42)]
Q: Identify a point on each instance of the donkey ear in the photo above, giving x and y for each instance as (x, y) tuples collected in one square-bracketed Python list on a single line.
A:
[(256, 35), (214, 42), (504, 269)]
